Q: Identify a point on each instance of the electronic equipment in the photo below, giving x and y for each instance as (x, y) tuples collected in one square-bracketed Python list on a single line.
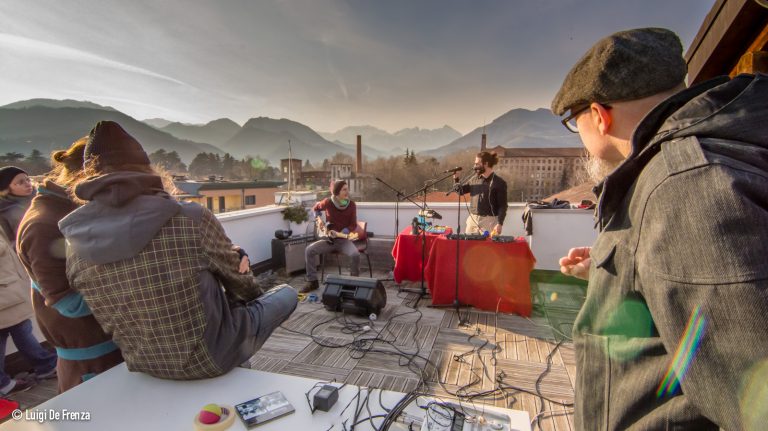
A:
[(290, 252), (452, 417), (429, 213), (469, 236), (505, 238), (437, 229), (357, 295), (264, 408), (283, 234), (325, 398)]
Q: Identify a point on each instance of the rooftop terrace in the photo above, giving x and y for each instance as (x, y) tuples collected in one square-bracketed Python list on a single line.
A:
[(495, 359)]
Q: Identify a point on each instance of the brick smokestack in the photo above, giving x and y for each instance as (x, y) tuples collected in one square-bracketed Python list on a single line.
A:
[(482, 142), (359, 160)]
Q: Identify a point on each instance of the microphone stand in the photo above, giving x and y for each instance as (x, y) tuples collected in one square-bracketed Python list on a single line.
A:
[(398, 195), (422, 291), (456, 304)]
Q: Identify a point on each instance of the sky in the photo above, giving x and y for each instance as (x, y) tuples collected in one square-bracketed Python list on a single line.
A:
[(325, 63)]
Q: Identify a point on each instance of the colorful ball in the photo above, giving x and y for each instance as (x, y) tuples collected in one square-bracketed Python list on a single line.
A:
[(210, 414)]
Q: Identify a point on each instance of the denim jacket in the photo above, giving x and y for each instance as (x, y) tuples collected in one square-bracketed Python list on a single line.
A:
[(673, 332)]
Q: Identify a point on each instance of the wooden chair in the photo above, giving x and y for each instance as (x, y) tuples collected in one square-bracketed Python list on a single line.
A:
[(362, 247)]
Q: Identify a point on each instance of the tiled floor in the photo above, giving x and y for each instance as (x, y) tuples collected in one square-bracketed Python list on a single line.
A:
[(406, 345)]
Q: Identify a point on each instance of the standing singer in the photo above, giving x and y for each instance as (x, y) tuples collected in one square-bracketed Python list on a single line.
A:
[(488, 192)]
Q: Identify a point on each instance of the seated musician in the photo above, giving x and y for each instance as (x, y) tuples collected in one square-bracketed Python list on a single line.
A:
[(337, 232)]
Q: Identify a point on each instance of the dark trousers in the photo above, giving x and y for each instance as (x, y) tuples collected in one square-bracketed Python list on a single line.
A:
[(21, 333)]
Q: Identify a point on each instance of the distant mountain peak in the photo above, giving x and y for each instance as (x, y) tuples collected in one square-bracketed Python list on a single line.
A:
[(55, 103)]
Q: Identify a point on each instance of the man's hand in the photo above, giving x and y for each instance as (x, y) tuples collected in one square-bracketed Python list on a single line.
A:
[(245, 265), (497, 229), (576, 264), (456, 177)]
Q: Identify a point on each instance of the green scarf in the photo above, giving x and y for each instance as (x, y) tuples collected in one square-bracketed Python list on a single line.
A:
[(340, 204)]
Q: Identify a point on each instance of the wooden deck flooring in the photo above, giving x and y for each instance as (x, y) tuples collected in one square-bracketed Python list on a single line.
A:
[(451, 357), (318, 344)]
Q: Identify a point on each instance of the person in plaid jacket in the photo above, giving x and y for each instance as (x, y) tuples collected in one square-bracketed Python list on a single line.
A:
[(162, 276)]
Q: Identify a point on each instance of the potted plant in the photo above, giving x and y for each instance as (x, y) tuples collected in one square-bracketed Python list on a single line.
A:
[(297, 218)]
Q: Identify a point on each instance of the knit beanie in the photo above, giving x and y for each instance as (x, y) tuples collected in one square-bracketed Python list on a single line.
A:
[(336, 186), (114, 146), (7, 174)]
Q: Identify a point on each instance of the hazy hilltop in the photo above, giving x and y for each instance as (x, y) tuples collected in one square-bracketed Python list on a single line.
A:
[(216, 132), (157, 123), (414, 138), (518, 128), (49, 125), (52, 103), (268, 138)]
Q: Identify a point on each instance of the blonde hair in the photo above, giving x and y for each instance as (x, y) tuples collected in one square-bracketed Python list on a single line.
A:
[(68, 164)]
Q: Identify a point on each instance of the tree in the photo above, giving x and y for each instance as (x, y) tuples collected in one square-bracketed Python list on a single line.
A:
[(204, 165), (170, 162), (11, 158), (228, 166), (36, 163)]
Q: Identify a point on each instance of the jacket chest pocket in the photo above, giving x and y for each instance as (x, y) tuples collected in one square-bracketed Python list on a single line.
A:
[(613, 265)]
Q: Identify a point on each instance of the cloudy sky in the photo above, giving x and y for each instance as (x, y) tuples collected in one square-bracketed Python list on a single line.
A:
[(325, 63)]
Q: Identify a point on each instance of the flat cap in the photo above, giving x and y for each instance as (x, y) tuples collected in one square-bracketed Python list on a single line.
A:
[(627, 65)]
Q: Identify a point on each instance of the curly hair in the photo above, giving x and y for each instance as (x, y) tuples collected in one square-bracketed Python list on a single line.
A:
[(68, 164), (489, 158)]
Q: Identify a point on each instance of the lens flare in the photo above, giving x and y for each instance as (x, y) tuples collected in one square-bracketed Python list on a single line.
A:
[(258, 164), (684, 354), (753, 398)]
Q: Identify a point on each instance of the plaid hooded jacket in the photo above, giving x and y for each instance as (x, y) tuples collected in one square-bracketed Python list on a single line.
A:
[(160, 276)]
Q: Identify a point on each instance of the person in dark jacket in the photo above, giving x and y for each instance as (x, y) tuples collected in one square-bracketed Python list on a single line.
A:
[(672, 334), (488, 196), (161, 276), (83, 348), (16, 193), (340, 218)]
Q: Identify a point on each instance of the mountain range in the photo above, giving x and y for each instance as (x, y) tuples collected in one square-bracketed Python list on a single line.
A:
[(48, 125), (518, 128), (415, 138)]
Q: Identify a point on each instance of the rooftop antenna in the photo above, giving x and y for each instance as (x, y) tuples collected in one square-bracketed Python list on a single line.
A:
[(290, 168)]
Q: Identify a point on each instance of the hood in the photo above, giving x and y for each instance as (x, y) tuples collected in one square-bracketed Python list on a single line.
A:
[(126, 211), (732, 110)]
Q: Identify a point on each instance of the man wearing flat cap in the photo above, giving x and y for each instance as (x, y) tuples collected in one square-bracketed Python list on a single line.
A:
[(673, 333)]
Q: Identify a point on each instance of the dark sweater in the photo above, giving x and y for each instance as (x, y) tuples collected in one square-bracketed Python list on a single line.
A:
[(338, 219)]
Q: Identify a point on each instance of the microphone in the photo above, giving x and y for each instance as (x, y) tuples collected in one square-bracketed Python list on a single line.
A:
[(453, 170)]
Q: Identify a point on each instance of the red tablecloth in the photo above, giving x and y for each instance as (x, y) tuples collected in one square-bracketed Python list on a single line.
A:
[(407, 254), (488, 271)]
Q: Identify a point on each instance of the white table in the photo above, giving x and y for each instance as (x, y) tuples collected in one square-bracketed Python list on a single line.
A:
[(122, 400)]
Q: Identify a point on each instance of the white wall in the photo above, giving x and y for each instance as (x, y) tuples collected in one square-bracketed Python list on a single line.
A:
[(555, 231), (253, 229)]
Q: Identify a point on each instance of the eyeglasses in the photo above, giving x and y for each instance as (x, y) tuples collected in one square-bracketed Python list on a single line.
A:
[(569, 122)]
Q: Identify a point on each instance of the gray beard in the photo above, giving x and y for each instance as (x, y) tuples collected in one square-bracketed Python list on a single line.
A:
[(597, 169)]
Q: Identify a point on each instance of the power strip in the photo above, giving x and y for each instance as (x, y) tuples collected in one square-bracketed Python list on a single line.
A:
[(452, 417)]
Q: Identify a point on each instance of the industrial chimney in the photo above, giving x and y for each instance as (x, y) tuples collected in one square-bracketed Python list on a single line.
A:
[(359, 160), (482, 142)]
